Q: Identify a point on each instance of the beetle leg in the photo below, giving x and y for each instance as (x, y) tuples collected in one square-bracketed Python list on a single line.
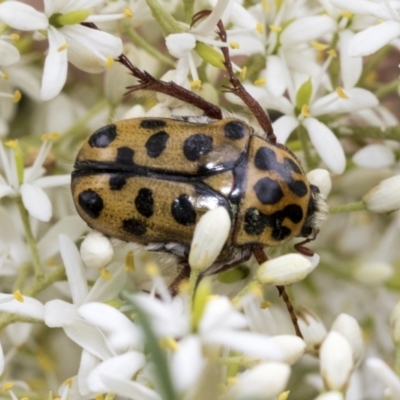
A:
[(305, 250), (261, 258), (148, 82)]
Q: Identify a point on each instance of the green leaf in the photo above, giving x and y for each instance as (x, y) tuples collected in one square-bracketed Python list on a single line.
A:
[(303, 95)]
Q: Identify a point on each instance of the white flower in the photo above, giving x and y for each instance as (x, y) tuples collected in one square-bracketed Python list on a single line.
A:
[(312, 329), (86, 48), (384, 197), (30, 185), (386, 375), (96, 250), (374, 156), (322, 180)]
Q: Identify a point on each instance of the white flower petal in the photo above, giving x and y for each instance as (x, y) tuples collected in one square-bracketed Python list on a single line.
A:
[(53, 181), (326, 144), (283, 127), (374, 156), (1, 360), (385, 197), (275, 75), (208, 24), (386, 375), (36, 202), (55, 66), (74, 269), (351, 67), (363, 7), (264, 381), (19, 333), (122, 334), (8, 53), (6, 190), (209, 238), (322, 180), (306, 29), (373, 38), (123, 367), (59, 313), (179, 44), (88, 363), (88, 49), (312, 329), (96, 250), (336, 361), (22, 16), (30, 307)]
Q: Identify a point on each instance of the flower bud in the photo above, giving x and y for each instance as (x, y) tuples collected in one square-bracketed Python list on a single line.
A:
[(284, 270), (385, 197), (330, 396), (96, 250), (312, 329), (386, 375), (347, 326), (336, 361), (209, 238), (320, 177), (373, 272)]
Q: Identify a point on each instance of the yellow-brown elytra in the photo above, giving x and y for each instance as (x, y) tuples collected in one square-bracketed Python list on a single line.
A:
[(149, 180)]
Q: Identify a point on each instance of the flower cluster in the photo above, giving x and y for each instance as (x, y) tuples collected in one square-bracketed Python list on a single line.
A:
[(326, 72)]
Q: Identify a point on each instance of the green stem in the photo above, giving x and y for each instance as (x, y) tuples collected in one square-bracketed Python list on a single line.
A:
[(37, 265), (397, 359), (368, 132), (165, 20), (387, 88), (23, 273), (301, 133), (358, 206), (189, 10), (238, 360), (194, 276), (146, 46), (372, 63)]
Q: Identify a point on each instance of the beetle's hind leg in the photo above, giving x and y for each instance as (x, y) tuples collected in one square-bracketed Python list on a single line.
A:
[(148, 82)]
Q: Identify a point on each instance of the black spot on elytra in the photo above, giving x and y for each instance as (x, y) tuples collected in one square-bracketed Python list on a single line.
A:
[(196, 146), (156, 144), (117, 182), (265, 159), (91, 202), (153, 123), (103, 136), (268, 191), (182, 210), (144, 202), (125, 156), (290, 164), (234, 130), (255, 221), (299, 188), (134, 227)]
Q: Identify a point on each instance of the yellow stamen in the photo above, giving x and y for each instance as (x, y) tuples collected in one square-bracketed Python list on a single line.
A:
[(17, 96), (45, 362), (169, 343), (234, 45), (152, 269), (183, 286), (231, 380), (265, 304), (341, 93), (284, 395), (256, 290), (50, 136), (332, 53), (14, 36), (243, 72), (260, 82), (346, 14), (25, 398), (51, 262), (318, 45), (98, 397), (18, 296), (305, 111), (105, 274), (128, 13), (12, 144), (260, 28), (109, 61), (63, 47), (265, 5), (68, 382), (275, 28), (196, 84), (129, 261), (5, 76), (7, 386)]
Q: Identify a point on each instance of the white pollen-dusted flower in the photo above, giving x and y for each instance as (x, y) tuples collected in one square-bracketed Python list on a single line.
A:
[(336, 361), (385, 197), (386, 375), (209, 238), (312, 329), (373, 272), (334, 395), (284, 270), (320, 177), (375, 155), (347, 326), (264, 381), (96, 250), (395, 323)]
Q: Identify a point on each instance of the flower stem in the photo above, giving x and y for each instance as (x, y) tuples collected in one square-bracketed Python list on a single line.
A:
[(397, 359), (387, 88), (189, 10), (146, 46), (373, 62), (37, 265), (301, 134), (193, 280), (358, 206), (165, 20)]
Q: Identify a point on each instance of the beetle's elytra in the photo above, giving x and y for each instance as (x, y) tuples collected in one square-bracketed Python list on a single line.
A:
[(150, 180)]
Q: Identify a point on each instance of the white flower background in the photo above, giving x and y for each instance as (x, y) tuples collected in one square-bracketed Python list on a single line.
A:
[(327, 72)]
